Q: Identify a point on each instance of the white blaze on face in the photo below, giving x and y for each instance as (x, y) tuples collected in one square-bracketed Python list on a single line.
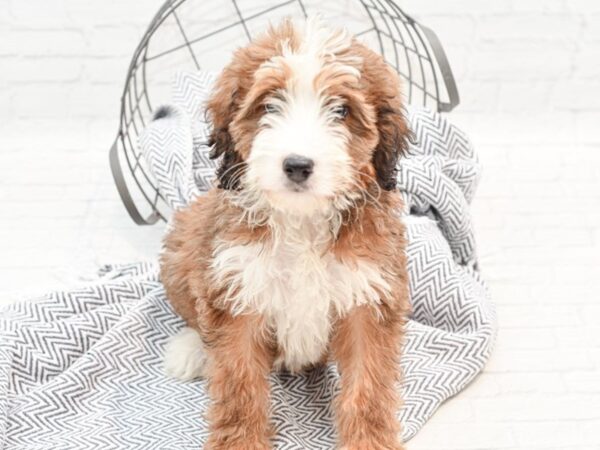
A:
[(302, 122)]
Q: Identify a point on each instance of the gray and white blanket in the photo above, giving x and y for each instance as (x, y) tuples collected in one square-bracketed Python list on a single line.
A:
[(83, 368)]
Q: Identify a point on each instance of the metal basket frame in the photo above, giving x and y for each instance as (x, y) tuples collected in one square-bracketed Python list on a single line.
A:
[(124, 154)]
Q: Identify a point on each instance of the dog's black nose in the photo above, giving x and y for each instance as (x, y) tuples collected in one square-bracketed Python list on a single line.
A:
[(298, 168)]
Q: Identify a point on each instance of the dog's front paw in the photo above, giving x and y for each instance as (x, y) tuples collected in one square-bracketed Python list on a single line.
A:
[(368, 446), (216, 444), (373, 444), (184, 356)]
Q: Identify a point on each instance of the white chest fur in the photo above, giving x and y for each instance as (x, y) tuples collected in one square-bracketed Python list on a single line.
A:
[(297, 285)]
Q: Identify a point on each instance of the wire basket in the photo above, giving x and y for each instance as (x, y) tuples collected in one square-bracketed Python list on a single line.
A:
[(194, 34)]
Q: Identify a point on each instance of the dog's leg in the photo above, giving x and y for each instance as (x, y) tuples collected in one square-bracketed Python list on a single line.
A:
[(366, 346), (241, 359)]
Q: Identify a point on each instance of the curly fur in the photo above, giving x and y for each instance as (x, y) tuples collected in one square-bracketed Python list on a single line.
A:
[(271, 275)]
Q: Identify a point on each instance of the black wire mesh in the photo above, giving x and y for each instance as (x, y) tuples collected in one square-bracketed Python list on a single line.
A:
[(194, 34)]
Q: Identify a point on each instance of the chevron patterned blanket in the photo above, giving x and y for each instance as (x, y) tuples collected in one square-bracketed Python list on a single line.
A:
[(83, 368)]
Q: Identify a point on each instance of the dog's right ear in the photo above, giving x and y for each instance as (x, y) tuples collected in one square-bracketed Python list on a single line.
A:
[(221, 109)]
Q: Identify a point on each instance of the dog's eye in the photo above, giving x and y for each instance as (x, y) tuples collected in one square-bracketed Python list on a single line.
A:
[(271, 108), (341, 111)]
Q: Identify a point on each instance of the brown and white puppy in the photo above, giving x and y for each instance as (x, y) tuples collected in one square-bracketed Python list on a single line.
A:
[(298, 255)]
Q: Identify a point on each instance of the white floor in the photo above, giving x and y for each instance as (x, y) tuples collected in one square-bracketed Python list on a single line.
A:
[(538, 219)]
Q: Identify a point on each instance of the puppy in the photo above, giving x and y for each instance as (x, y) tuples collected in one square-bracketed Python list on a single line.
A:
[(298, 255)]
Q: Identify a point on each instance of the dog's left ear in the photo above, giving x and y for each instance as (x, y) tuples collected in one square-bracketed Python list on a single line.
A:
[(393, 142)]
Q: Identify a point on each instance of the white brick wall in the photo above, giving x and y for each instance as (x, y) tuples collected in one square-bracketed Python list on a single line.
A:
[(67, 58), (529, 77), (510, 56)]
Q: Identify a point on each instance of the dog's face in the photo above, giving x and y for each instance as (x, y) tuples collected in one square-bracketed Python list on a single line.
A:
[(305, 117)]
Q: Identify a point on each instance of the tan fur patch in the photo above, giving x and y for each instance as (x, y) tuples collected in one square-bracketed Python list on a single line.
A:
[(364, 238)]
